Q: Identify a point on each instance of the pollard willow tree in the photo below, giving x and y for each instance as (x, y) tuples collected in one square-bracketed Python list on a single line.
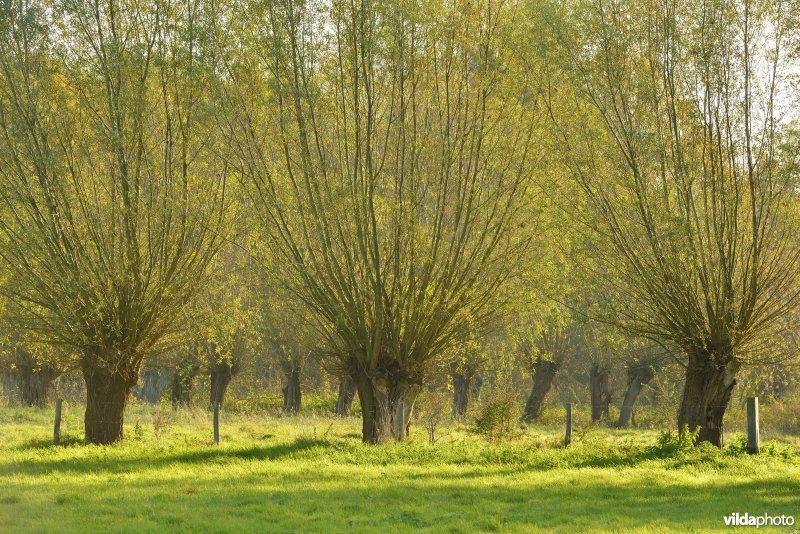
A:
[(110, 214), (290, 338), (227, 331), (544, 352), (394, 185), (691, 192)]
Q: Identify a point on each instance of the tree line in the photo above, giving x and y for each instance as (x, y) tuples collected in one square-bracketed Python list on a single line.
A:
[(398, 191)]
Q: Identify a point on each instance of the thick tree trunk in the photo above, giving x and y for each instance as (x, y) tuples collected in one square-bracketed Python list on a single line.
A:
[(221, 376), (154, 383), (347, 391), (8, 384), (638, 376), (601, 393), (34, 388), (379, 405), (35, 385), (477, 385), (544, 373), (291, 391), (106, 396), (33, 380), (710, 379), (182, 385), (462, 392)]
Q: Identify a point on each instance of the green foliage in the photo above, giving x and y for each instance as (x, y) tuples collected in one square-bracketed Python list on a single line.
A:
[(676, 443), (432, 408), (738, 447), (784, 417), (498, 416), (313, 403)]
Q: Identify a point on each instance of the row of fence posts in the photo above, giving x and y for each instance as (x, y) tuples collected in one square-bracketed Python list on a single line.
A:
[(753, 434)]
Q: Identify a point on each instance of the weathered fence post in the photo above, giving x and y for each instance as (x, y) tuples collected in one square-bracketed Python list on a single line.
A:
[(753, 439), (568, 434), (57, 423), (216, 423), (399, 422)]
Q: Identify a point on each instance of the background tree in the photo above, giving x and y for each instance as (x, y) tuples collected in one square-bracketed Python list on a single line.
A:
[(345, 395), (31, 371), (467, 356), (228, 316), (544, 352), (154, 381), (292, 340), (188, 364), (642, 363)]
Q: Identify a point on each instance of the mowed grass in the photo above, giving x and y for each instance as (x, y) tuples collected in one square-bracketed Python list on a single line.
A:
[(312, 474)]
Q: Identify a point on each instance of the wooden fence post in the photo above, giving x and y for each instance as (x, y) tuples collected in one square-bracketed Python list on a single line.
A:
[(216, 423), (753, 438), (57, 423), (568, 434)]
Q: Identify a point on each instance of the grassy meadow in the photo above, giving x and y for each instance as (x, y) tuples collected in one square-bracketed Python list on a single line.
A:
[(312, 473)]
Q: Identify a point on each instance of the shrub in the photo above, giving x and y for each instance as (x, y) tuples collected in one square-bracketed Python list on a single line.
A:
[(673, 443), (161, 422), (432, 408), (736, 446), (499, 415)]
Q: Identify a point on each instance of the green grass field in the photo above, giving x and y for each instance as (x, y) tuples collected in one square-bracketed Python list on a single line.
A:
[(313, 474)]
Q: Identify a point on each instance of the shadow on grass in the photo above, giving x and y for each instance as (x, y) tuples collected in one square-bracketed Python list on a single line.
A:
[(121, 459), (630, 458), (311, 500), (155, 458), (42, 444)]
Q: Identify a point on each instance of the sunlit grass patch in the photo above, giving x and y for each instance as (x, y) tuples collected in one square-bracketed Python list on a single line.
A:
[(314, 474)]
